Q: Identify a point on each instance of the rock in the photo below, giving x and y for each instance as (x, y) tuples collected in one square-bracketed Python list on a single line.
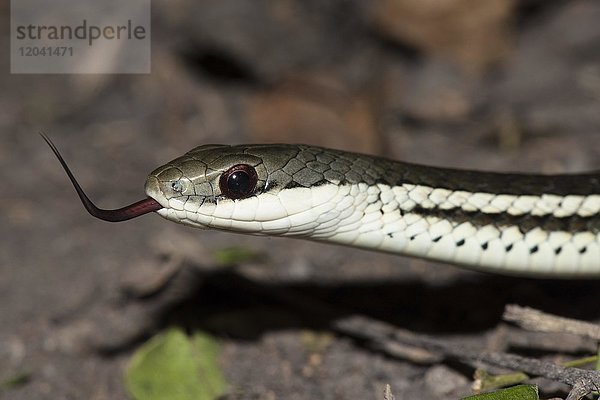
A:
[(443, 382)]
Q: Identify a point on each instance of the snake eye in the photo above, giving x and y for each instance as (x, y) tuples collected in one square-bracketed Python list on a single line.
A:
[(238, 181)]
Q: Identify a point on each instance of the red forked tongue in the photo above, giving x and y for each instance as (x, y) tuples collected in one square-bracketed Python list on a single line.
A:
[(122, 214)]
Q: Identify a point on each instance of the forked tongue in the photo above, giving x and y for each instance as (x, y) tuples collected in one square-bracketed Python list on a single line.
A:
[(121, 214)]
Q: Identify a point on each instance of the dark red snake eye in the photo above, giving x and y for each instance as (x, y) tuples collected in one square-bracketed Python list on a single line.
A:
[(238, 181)]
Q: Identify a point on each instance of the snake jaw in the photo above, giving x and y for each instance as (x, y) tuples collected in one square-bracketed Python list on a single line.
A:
[(134, 210)]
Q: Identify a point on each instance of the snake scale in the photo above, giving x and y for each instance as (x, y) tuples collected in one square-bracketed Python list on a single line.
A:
[(532, 225)]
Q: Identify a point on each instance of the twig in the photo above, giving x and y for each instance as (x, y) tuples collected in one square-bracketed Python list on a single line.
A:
[(505, 336), (535, 320), (583, 381), (485, 381)]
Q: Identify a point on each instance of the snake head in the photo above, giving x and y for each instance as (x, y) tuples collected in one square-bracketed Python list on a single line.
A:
[(237, 188), (256, 189), (207, 182)]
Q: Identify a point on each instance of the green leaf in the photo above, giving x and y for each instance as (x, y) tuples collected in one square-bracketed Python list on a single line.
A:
[(175, 366), (234, 255), (20, 379), (521, 392)]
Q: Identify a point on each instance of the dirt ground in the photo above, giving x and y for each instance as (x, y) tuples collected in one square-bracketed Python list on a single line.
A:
[(508, 86)]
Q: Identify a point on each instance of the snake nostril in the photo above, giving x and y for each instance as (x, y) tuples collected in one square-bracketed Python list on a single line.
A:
[(177, 186)]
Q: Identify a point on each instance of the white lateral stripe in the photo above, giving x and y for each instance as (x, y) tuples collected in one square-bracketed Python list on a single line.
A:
[(385, 218)]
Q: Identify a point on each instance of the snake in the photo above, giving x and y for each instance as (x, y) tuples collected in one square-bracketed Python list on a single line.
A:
[(531, 225)]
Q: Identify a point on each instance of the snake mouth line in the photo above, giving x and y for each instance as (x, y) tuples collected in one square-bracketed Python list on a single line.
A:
[(134, 210)]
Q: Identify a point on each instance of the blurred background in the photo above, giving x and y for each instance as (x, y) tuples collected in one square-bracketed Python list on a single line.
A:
[(510, 85)]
